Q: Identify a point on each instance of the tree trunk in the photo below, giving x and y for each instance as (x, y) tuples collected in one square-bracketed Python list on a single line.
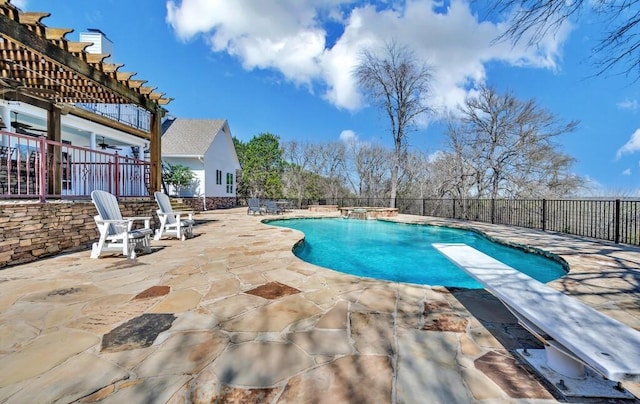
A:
[(394, 183)]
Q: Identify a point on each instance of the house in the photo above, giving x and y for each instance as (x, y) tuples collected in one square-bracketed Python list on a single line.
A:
[(205, 146)]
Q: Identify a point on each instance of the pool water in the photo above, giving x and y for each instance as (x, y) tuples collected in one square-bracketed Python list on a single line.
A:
[(403, 252)]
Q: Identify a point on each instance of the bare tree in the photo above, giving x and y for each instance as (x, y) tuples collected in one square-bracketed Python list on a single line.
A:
[(370, 170), (313, 170), (460, 174), (295, 176), (399, 83), (548, 175), (510, 143), (414, 178), (620, 45), (333, 168)]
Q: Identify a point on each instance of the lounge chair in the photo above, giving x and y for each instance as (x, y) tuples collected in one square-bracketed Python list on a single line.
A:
[(284, 204), (254, 207), (172, 223), (116, 233), (272, 207)]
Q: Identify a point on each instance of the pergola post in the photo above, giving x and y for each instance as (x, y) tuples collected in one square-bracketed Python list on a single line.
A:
[(54, 154), (155, 150)]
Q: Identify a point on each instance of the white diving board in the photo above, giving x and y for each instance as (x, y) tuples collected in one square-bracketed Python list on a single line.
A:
[(607, 346)]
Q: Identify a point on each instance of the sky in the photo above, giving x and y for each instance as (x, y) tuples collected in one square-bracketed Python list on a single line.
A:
[(285, 67)]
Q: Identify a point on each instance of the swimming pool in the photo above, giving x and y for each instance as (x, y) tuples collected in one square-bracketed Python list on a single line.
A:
[(403, 252)]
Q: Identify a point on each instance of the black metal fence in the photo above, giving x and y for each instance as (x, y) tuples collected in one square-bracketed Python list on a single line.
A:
[(616, 220)]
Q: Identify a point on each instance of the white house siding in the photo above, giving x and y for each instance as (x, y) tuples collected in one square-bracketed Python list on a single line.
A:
[(197, 168), (221, 156)]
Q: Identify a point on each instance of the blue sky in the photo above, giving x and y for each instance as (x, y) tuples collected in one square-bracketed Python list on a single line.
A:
[(283, 66)]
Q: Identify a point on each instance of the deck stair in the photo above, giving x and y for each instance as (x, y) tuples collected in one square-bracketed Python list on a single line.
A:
[(178, 204)]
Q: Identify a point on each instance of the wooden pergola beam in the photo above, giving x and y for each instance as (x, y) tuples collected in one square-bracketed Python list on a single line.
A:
[(42, 46), (57, 34)]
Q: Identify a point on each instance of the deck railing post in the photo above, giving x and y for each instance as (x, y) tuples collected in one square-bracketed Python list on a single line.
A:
[(43, 166), (617, 222)]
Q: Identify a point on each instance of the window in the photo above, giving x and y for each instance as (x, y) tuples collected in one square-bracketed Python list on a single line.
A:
[(218, 177), (229, 183)]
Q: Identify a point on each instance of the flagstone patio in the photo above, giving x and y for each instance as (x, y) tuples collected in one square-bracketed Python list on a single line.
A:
[(233, 316)]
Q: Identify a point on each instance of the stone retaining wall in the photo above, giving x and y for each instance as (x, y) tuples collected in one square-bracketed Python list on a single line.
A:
[(197, 204), (368, 212), (29, 231), (323, 208)]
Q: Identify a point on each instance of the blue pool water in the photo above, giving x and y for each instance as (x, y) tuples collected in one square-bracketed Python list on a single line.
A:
[(403, 252)]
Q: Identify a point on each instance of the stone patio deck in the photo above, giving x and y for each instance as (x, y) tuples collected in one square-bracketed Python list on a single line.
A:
[(233, 316)]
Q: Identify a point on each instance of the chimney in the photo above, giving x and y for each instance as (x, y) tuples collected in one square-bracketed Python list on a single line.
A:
[(101, 44)]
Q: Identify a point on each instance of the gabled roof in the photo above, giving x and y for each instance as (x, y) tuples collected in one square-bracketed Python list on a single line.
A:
[(190, 137)]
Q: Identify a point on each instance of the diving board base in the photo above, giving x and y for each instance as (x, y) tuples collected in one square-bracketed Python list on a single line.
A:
[(590, 385)]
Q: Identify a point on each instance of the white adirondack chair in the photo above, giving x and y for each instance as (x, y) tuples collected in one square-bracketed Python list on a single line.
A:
[(172, 223), (116, 233)]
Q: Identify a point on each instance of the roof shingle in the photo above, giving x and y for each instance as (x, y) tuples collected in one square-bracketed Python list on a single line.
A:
[(190, 137)]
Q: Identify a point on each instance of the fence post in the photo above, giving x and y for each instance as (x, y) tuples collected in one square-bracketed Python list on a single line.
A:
[(423, 207), (617, 223), (454, 207), (493, 211), (544, 215)]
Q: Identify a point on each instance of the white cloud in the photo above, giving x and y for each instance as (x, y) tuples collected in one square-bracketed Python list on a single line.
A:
[(289, 36), (348, 136), (631, 105), (632, 145), (626, 172)]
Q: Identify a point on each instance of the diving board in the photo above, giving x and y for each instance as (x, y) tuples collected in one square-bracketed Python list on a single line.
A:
[(573, 333)]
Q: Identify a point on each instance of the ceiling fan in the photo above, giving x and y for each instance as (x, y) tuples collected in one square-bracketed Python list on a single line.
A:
[(25, 128), (103, 145)]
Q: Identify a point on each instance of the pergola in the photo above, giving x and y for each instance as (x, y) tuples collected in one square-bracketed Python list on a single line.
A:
[(40, 67)]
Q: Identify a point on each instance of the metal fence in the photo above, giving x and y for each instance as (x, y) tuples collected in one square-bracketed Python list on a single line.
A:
[(38, 168), (129, 114), (616, 220)]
